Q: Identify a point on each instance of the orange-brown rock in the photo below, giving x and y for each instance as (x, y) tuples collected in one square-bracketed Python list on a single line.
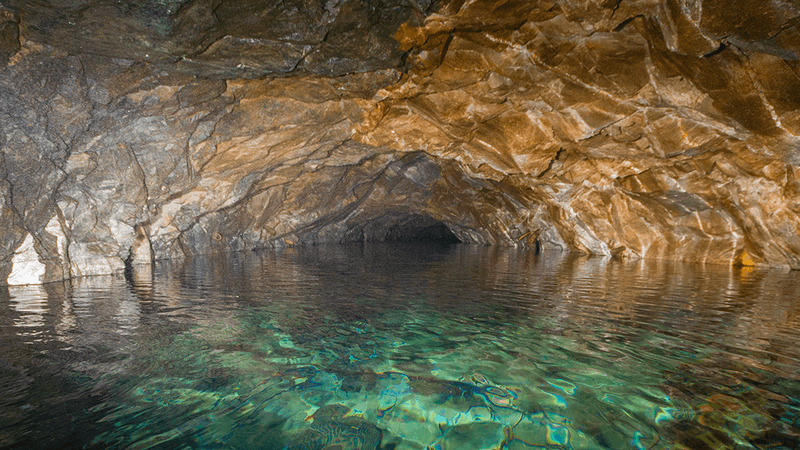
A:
[(637, 128)]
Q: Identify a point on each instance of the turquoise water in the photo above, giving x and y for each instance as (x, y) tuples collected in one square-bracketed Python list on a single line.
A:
[(404, 347)]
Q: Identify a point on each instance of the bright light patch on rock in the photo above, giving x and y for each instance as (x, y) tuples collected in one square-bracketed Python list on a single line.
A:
[(26, 267)]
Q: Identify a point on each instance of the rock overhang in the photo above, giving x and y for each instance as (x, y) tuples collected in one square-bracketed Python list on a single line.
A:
[(640, 129)]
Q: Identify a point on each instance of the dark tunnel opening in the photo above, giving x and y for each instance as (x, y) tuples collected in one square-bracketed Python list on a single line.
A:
[(421, 231), (400, 228)]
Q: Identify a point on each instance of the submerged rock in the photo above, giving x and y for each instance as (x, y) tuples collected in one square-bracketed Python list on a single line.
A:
[(638, 129), (333, 429)]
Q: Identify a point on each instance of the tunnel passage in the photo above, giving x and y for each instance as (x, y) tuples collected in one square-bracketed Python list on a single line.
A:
[(387, 197), (403, 227)]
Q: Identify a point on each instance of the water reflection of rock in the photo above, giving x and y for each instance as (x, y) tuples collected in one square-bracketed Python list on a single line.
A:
[(685, 298), (84, 321), (34, 315), (565, 286), (677, 300), (57, 341), (293, 323)]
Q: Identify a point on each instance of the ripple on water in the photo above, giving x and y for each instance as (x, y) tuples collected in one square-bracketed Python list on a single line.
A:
[(460, 347)]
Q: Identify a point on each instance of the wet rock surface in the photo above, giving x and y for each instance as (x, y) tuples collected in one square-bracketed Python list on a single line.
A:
[(641, 129)]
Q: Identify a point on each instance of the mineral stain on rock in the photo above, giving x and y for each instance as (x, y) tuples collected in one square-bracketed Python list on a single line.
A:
[(137, 131)]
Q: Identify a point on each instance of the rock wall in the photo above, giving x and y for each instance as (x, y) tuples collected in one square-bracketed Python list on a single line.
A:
[(161, 129)]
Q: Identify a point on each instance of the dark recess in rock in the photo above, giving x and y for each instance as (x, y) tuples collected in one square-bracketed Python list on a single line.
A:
[(398, 227)]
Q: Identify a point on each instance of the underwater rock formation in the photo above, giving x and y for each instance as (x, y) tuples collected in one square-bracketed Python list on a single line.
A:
[(142, 130), (332, 428)]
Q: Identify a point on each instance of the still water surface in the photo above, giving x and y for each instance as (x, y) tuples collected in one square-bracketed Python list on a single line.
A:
[(404, 347)]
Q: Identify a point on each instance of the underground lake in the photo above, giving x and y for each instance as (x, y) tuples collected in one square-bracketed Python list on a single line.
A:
[(404, 346), (400, 224)]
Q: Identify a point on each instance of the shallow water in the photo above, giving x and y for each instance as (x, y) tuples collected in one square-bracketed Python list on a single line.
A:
[(405, 347)]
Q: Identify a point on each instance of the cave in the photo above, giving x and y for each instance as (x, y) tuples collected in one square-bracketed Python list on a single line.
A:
[(399, 224), (152, 130)]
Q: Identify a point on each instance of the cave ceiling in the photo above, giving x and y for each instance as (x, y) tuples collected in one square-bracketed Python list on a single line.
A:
[(139, 130)]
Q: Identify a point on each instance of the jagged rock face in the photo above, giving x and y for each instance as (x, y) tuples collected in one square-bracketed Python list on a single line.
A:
[(162, 129), (228, 38)]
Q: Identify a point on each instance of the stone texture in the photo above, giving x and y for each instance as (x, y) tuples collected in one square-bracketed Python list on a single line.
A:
[(227, 38), (640, 129), (9, 33)]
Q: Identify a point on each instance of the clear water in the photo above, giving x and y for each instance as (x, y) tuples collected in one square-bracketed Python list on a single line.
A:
[(405, 347)]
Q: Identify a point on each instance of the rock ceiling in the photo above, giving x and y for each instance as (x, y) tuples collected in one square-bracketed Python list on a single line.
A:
[(165, 128)]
